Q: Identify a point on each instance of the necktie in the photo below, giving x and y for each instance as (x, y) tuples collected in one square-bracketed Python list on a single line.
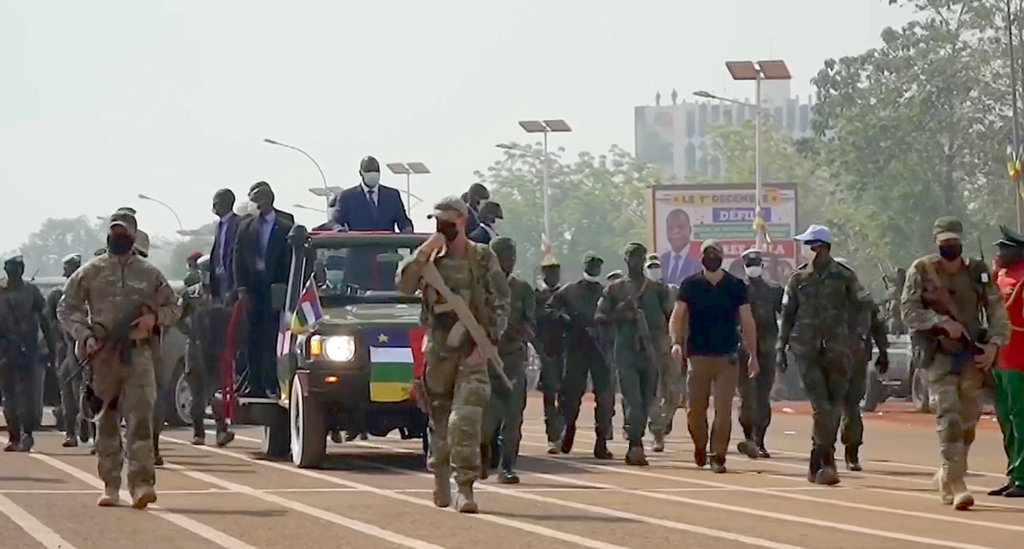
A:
[(373, 203), (677, 266)]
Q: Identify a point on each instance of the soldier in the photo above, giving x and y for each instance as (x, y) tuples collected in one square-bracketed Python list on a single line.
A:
[(194, 276), (205, 322), (944, 301), (613, 276), (22, 315), (504, 414), (100, 299), (575, 304), (667, 394), (820, 313), (67, 365), (765, 299), (456, 377), (637, 314), (870, 330), (552, 353)]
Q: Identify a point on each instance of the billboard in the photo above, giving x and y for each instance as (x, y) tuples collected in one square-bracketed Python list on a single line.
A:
[(681, 217)]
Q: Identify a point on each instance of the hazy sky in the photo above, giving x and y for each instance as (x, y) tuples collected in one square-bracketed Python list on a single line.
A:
[(101, 101)]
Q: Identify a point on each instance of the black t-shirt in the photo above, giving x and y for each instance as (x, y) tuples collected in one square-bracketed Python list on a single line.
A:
[(714, 314)]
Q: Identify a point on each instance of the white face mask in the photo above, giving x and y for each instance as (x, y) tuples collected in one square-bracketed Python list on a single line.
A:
[(591, 278), (371, 179), (654, 274), (753, 271), (807, 253)]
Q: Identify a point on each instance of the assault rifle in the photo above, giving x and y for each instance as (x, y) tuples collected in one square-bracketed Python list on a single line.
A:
[(117, 339)]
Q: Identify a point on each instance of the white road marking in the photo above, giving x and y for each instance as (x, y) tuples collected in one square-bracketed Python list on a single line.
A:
[(524, 526), (98, 492), (39, 531), (358, 526)]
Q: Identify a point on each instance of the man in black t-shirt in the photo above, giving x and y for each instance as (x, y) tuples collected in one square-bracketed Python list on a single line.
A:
[(711, 306)]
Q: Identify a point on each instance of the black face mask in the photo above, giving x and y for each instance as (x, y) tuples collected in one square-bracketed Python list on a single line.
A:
[(950, 252), (712, 262), (449, 229), (120, 244), (593, 269)]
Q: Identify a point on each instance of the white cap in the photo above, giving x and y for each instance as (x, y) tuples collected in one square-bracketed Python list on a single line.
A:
[(815, 233)]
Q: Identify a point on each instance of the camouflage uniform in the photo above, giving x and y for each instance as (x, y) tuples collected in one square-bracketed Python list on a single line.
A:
[(504, 413), (67, 374), (870, 330), (765, 299), (551, 335), (576, 304), (204, 321), (956, 394), (97, 297), (457, 392), (820, 314), (22, 315)]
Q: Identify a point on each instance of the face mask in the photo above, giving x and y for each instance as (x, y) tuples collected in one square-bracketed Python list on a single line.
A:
[(371, 179), (951, 252), (654, 274), (448, 229), (591, 278), (807, 253), (753, 271), (711, 262), (120, 244)]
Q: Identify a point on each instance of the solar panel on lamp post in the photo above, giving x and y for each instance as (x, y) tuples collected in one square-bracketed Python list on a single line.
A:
[(545, 127), (408, 169)]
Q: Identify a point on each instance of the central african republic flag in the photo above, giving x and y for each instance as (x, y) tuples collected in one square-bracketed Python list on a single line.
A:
[(394, 354)]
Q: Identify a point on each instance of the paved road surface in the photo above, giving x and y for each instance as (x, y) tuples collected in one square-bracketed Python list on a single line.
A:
[(376, 495)]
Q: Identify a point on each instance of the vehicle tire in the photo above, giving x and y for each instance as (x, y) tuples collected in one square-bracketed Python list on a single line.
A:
[(308, 428), (919, 394), (178, 398), (276, 443), (875, 393)]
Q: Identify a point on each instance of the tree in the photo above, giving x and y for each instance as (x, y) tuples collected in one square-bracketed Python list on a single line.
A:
[(45, 249), (596, 203)]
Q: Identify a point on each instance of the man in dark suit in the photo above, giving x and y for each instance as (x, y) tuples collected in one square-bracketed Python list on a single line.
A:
[(371, 206), (474, 197), (680, 262), (261, 258), (486, 231), (222, 283)]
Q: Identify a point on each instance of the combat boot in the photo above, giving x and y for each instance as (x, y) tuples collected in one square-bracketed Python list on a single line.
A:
[(567, 439), (962, 497), (464, 502), (659, 443), (12, 444), (747, 448), (26, 444), (828, 475), (853, 458), (485, 461), (508, 476), (814, 465), (762, 451), (943, 486), (143, 496), (635, 455), (443, 487), (224, 438), (553, 447), (109, 497), (70, 441), (601, 450)]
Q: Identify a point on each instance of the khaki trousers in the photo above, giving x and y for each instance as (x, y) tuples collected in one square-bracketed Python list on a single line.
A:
[(711, 375)]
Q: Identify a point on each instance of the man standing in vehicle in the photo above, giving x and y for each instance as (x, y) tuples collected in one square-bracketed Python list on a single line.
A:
[(456, 377)]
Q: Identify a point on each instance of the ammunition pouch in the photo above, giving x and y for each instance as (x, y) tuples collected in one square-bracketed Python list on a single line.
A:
[(961, 351)]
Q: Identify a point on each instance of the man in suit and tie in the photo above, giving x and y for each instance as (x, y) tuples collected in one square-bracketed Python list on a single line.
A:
[(486, 231), (474, 197), (680, 262), (222, 283), (261, 259), (371, 206)]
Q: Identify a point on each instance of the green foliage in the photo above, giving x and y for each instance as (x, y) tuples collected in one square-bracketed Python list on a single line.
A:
[(597, 203), (56, 238)]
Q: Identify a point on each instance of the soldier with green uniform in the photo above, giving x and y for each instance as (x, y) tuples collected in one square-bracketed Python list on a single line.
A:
[(637, 314), (551, 336), (575, 305), (456, 377), (504, 413), (67, 365), (821, 311), (667, 393), (100, 298), (945, 299)]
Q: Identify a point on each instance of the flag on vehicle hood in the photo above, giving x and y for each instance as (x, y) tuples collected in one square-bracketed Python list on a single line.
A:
[(394, 363), (307, 311)]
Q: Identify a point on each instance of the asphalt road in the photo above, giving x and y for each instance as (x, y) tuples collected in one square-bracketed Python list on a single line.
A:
[(375, 494)]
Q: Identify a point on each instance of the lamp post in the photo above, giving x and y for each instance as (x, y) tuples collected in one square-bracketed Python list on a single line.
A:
[(309, 208), (164, 204), (407, 169), (758, 72), (306, 154), (545, 127)]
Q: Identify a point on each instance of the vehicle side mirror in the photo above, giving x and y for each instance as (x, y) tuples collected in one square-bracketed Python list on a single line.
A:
[(278, 295)]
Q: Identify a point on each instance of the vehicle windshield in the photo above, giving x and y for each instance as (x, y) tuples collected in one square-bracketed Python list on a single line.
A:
[(359, 272)]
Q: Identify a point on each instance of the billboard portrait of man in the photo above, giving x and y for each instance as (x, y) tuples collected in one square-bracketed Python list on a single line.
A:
[(680, 261)]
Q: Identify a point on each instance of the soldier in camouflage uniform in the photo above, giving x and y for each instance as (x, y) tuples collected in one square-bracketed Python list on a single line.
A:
[(22, 315), (456, 377), (870, 331), (619, 308), (575, 304), (504, 413), (671, 378), (67, 365), (552, 353), (821, 310), (204, 320), (101, 296), (765, 299), (944, 301)]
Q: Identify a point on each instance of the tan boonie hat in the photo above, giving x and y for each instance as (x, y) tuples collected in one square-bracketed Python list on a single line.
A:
[(450, 204), (947, 228), (124, 219), (711, 244)]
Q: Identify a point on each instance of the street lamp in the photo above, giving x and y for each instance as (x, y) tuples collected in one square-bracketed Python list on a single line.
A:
[(306, 154), (759, 71), (418, 168), (304, 207), (164, 204), (545, 127)]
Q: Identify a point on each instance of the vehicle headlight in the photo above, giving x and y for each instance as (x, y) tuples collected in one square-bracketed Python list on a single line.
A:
[(337, 348)]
